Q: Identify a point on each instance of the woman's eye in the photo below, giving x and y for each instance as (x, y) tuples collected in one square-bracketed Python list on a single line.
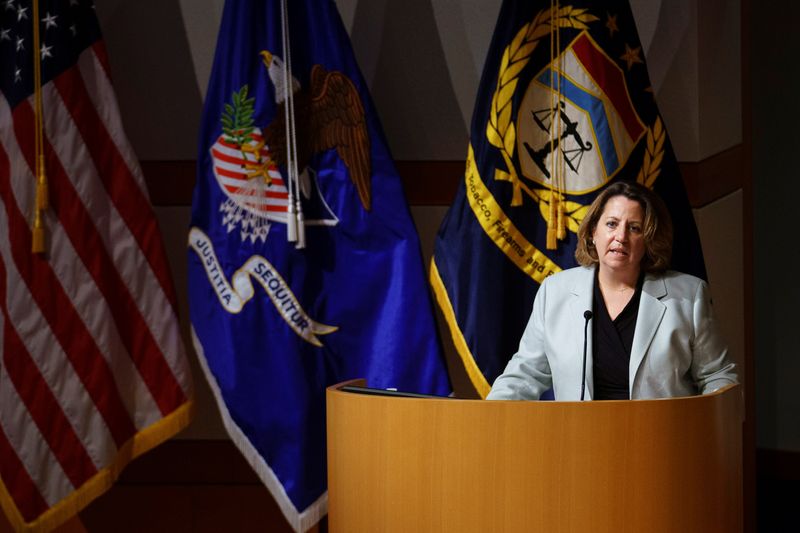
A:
[(635, 229), (611, 224)]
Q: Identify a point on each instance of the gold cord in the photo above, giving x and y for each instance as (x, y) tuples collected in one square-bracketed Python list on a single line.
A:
[(551, 211), (556, 219), (561, 228), (42, 203)]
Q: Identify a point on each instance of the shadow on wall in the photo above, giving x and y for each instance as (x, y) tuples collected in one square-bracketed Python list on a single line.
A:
[(415, 99), (153, 76), (673, 75)]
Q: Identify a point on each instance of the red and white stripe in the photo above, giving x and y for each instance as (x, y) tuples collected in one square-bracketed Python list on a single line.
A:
[(90, 348), (251, 193)]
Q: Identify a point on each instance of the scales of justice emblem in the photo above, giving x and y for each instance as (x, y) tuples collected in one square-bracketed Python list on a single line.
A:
[(576, 123), (562, 134)]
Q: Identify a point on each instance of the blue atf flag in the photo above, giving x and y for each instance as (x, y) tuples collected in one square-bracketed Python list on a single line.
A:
[(304, 264), (564, 108)]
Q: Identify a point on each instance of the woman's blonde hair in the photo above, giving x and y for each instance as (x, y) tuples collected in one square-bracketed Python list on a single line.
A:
[(657, 226)]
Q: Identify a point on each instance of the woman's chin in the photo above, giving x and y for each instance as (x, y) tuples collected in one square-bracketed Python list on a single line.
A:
[(620, 265)]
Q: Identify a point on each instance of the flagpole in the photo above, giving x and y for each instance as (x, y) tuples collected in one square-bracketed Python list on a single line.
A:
[(291, 219)]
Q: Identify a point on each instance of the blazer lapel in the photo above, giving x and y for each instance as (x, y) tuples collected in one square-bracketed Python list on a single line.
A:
[(651, 311), (582, 300)]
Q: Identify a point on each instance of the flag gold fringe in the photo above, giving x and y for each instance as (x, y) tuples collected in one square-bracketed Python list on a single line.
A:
[(482, 386), (67, 508)]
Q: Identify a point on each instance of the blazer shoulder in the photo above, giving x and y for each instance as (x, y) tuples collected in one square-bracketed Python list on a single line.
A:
[(680, 284), (569, 279)]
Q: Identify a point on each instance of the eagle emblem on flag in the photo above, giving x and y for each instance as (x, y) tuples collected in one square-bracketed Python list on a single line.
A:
[(248, 159), (281, 308)]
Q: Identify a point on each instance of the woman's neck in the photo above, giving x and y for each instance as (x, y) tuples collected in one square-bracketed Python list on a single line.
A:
[(615, 281)]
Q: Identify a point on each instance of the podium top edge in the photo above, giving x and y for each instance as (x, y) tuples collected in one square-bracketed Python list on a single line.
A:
[(359, 386)]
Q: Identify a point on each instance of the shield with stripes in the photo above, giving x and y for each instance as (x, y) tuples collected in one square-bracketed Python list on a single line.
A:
[(255, 190), (577, 117), (249, 177)]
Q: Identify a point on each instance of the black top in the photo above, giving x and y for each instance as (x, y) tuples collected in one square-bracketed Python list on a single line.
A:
[(612, 345)]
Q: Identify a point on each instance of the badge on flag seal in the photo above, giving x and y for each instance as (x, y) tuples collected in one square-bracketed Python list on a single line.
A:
[(577, 109)]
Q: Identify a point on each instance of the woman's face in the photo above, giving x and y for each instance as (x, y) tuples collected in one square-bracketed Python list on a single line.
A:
[(619, 236)]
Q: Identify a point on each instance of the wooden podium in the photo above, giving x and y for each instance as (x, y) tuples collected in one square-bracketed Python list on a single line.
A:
[(447, 465)]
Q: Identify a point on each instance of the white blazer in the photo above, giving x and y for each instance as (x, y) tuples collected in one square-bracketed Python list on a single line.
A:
[(677, 349)]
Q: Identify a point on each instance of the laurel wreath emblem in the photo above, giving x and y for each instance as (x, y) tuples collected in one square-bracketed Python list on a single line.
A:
[(653, 155), (500, 130)]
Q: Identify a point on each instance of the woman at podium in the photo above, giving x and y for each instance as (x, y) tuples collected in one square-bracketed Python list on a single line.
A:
[(621, 325)]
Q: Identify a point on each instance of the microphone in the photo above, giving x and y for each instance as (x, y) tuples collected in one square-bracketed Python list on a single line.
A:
[(587, 315)]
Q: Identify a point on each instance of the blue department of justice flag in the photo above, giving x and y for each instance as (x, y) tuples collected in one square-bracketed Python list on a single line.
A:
[(564, 108), (304, 264)]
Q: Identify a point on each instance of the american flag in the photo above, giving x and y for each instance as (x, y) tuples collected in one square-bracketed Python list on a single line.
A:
[(92, 366)]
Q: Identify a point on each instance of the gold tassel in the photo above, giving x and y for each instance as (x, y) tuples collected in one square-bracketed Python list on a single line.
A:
[(38, 234), (552, 244), (561, 222), (555, 219), (42, 193), (552, 230)]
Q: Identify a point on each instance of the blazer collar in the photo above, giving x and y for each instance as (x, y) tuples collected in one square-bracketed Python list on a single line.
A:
[(651, 311), (582, 301), (582, 289)]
